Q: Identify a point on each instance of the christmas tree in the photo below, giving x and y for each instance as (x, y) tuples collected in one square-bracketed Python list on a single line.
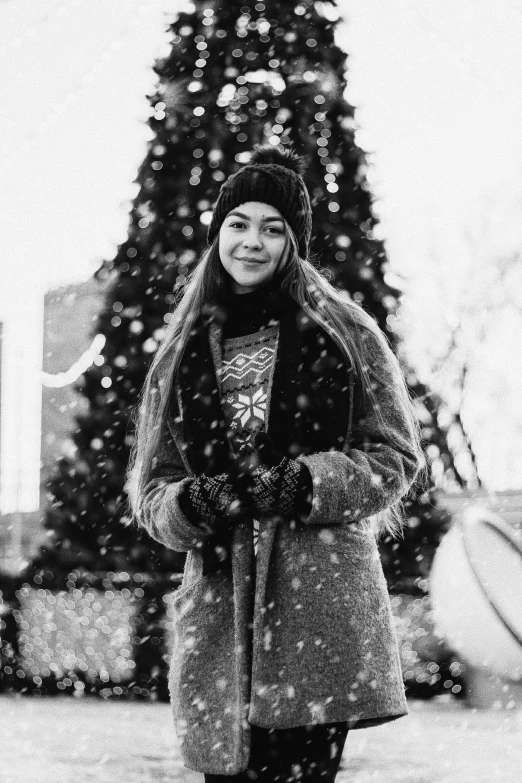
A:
[(236, 74)]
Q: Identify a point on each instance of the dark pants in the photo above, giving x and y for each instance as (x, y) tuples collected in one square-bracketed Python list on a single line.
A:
[(310, 754)]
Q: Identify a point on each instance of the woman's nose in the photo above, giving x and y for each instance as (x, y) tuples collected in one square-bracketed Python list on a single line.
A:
[(252, 238)]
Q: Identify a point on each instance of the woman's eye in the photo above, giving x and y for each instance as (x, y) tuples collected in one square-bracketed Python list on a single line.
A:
[(270, 229)]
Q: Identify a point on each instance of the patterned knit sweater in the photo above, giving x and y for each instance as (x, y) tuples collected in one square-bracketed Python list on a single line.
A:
[(246, 382)]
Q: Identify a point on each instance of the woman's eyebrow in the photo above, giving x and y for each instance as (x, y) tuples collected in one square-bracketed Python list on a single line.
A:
[(246, 217)]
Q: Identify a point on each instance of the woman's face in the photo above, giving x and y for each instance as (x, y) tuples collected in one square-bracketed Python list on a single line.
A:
[(252, 241)]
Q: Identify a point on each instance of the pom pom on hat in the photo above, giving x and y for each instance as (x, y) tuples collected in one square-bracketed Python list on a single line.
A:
[(273, 176), (268, 153)]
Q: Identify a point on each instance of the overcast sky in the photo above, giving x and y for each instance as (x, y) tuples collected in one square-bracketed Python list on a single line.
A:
[(437, 85)]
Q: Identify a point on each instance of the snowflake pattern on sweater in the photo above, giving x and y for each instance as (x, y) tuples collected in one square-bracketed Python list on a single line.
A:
[(246, 382), (248, 407), (246, 378)]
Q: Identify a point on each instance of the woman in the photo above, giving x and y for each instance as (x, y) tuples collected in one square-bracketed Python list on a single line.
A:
[(274, 423)]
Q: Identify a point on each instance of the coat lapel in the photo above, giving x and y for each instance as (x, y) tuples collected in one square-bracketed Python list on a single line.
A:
[(204, 427), (312, 390)]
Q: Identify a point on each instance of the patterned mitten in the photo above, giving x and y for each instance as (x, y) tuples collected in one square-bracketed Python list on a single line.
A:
[(281, 485), (285, 488), (211, 502)]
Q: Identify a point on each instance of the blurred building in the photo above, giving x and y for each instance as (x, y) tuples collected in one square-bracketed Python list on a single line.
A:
[(17, 530), (69, 348), (1, 346)]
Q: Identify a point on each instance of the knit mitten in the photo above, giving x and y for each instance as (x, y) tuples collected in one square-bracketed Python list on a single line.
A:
[(282, 489), (280, 485), (211, 502)]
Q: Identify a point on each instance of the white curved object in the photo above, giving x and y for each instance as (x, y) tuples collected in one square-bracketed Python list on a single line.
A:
[(476, 591), (61, 379)]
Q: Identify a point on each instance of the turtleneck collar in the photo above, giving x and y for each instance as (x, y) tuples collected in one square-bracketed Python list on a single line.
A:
[(248, 313)]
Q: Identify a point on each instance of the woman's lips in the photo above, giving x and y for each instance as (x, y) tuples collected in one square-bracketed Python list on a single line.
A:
[(252, 260)]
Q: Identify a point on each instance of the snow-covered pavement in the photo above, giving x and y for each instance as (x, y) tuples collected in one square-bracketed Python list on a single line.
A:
[(87, 740)]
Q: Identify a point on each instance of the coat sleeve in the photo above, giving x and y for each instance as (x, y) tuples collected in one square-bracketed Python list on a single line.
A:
[(383, 459), (159, 510)]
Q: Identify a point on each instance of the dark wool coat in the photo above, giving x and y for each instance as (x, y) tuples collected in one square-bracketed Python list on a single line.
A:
[(304, 634)]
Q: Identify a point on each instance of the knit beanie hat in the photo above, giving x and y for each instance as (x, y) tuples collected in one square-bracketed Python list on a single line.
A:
[(273, 176)]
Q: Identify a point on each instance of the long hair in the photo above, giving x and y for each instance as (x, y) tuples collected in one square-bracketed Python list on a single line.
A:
[(333, 309)]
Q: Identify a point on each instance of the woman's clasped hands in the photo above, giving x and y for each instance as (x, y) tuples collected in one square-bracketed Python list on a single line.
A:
[(260, 481), (267, 481)]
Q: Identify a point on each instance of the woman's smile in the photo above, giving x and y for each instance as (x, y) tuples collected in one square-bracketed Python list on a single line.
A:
[(252, 260)]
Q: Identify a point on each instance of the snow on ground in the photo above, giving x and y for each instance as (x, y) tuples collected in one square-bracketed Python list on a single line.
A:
[(64, 739)]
